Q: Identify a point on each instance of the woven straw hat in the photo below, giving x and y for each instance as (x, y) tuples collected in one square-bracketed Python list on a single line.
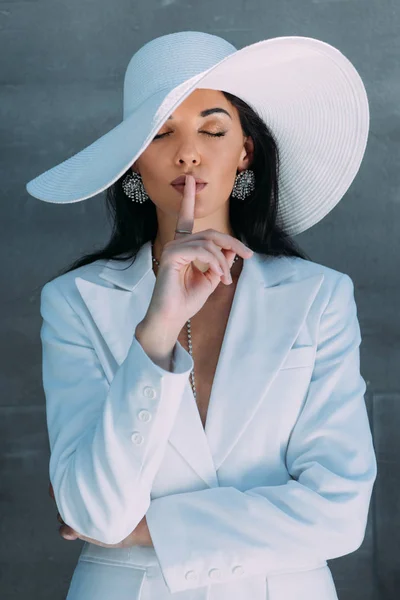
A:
[(307, 92)]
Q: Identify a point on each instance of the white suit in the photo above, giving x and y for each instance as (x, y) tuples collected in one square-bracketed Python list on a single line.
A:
[(279, 482)]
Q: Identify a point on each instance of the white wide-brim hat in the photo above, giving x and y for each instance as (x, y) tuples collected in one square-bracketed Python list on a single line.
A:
[(307, 92)]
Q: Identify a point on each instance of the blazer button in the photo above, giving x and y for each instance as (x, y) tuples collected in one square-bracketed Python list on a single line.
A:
[(149, 392), (238, 570), (137, 438), (214, 574), (191, 575), (144, 415)]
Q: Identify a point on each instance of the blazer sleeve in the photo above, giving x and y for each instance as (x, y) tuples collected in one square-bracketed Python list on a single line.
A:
[(106, 440), (319, 514)]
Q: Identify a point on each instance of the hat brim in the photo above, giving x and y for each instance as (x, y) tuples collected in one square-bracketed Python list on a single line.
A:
[(308, 93), (99, 165)]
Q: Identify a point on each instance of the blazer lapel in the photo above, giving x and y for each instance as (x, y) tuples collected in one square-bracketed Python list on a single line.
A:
[(117, 310), (267, 314)]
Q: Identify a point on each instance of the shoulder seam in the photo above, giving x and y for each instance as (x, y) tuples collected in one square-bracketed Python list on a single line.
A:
[(59, 290)]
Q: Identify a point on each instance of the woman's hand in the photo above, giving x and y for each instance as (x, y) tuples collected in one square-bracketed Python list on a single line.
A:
[(140, 536), (181, 289)]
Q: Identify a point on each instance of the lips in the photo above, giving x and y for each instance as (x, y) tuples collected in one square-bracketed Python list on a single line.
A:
[(181, 180), (181, 187)]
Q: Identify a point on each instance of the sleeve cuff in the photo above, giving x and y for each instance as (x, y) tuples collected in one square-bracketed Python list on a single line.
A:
[(181, 362)]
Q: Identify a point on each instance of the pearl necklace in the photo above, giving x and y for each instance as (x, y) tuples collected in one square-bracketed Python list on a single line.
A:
[(190, 334)]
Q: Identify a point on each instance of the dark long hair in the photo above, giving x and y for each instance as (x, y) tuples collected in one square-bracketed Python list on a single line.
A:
[(253, 220)]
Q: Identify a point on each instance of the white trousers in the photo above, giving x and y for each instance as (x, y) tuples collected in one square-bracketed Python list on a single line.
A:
[(98, 581)]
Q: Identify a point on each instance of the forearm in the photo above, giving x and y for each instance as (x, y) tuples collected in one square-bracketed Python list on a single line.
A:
[(157, 340), (104, 454), (140, 536)]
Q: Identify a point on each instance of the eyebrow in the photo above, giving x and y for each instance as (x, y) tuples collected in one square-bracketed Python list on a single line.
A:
[(209, 111)]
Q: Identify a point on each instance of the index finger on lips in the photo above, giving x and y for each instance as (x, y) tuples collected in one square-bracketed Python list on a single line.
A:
[(186, 211)]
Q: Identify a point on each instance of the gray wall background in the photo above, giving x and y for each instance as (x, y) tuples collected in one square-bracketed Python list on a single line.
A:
[(62, 68)]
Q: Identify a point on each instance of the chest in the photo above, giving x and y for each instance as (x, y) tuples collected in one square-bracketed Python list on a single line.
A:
[(208, 328)]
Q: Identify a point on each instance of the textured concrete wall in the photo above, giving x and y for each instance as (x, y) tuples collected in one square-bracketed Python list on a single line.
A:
[(62, 68)]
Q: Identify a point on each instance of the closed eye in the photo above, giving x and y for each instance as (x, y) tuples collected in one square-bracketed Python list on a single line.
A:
[(219, 134)]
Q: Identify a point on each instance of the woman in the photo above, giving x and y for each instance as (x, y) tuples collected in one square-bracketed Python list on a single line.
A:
[(205, 408)]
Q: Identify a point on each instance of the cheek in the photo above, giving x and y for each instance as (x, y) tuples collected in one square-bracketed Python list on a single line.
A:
[(223, 162), (226, 158), (226, 154)]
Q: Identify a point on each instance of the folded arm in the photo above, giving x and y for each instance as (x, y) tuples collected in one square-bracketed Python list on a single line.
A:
[(319, 514), (103, 456)]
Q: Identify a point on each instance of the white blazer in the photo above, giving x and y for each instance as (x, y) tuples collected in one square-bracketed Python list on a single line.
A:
[(279, 482)]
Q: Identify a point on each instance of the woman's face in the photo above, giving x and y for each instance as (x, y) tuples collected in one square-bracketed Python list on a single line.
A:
[(187, 144)]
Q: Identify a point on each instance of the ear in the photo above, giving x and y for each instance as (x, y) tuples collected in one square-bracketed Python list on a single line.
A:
[(134, 167), (247, 154)]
